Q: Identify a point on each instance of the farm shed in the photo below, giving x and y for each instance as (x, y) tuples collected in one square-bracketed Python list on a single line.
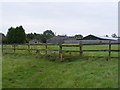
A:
[(57, 39), (34, 41), (92, 37), (71, 39), (98, 39)]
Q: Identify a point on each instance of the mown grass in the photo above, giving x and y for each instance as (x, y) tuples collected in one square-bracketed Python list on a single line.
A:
[(29, 71)]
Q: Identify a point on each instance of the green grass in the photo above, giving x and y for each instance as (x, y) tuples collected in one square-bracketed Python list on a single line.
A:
[(29, 71)]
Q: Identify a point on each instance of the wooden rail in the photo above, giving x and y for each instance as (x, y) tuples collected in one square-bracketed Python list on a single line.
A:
[(66, 50), (60, 48)]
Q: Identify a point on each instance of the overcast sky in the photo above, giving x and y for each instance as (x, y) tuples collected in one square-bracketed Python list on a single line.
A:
[(98, 18)]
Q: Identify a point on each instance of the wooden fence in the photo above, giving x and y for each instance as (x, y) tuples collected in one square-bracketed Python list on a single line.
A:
[(61, 51)]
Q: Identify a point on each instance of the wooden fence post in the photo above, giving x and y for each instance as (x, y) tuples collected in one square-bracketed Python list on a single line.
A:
[(46, 48), (14, 47), (70, 54), (29, 48), (80, 48), (60, 50), (109, 48), (2, 47), (61, 57)]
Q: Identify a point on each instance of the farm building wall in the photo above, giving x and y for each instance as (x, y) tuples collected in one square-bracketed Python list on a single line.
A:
[(71, 41), (90, 41), (56, 39), (34, 41)]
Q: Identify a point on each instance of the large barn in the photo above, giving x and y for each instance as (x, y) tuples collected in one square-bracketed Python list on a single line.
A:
[(96, 39), (93, 37), (63, 39), (57, 39)]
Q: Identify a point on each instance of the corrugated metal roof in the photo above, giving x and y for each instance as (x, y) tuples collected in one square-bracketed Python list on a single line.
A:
[(103, 37), (111, 38)]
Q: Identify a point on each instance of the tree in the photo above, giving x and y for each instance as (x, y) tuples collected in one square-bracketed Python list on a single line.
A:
[(114, 35), (42, 37), (30, 36), (10, 35), (78, 36), (21, 36), (16, 35), (47, 35), (106, 36), (3, 38)]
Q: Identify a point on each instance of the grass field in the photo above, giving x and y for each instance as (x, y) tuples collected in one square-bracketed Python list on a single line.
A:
[(29, 71)]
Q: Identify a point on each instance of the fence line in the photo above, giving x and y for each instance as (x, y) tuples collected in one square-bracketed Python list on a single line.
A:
[(61, 51)]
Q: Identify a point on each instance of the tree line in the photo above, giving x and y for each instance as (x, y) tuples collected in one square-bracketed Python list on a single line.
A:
[(17, 35)]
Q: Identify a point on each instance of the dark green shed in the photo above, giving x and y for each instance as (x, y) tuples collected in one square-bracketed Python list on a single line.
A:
[(92, 37)]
